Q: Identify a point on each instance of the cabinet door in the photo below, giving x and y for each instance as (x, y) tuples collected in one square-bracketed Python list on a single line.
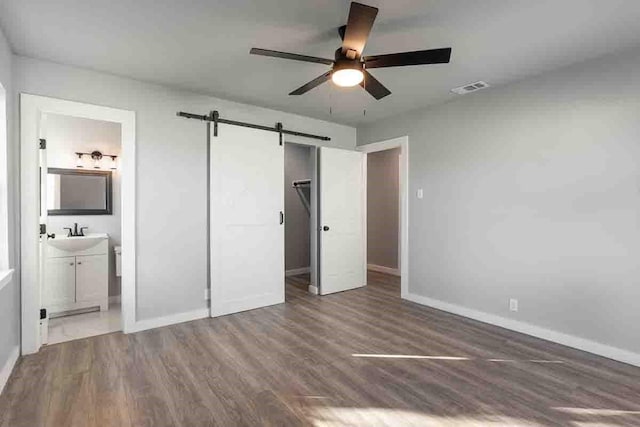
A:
[(92, 277), (60, 281)]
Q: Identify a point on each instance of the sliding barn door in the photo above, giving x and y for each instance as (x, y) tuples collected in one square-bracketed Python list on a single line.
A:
[(247, 223), (342, 220)]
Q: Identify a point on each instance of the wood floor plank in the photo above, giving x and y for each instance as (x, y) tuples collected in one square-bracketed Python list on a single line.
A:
[(363, 357)]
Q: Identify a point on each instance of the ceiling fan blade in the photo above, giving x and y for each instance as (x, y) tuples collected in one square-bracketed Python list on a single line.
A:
[(293, 56), (361, 18), (374, 87), (418, 57), (313, 83)]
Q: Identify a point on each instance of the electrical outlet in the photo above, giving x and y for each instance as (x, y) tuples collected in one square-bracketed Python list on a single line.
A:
[(513, 304), (420, 193), (206, 294)]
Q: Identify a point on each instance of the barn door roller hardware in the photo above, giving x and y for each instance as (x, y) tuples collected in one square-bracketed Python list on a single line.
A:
[(214, 117)]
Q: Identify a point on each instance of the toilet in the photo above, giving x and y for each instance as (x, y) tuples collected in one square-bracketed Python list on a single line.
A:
[(118, 251)]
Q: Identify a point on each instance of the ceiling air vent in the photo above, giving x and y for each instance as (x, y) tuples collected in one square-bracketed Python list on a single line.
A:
[(471, 87)]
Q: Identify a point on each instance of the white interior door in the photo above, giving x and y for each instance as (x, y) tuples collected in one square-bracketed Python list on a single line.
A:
[(247, 222), (342, 220)]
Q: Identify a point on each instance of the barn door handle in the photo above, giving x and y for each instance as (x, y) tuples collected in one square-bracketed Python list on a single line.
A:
[(281, 217), (325, 228)]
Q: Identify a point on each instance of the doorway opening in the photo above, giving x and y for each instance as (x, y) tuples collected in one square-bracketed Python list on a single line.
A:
[(388, 227), (383, 217), (82, 283), (81, 210), (300, 217)]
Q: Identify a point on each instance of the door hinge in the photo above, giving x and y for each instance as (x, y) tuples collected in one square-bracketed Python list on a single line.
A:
[(43, 313), (43, 144), (43, 228)]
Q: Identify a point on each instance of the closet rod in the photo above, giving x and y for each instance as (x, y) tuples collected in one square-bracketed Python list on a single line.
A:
[(300, 182), (213, 117)]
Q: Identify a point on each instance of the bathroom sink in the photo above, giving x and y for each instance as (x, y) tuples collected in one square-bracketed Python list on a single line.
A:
[(76, 243)]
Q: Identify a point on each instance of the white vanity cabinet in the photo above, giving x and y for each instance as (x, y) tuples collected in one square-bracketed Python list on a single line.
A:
[(77, 273)]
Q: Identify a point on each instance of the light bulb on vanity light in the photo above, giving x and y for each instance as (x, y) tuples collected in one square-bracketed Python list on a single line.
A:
[(79, 161), (114, 163), (96, 156)]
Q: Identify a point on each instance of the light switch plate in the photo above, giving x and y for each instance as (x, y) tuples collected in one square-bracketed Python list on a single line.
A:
[(420, 193)]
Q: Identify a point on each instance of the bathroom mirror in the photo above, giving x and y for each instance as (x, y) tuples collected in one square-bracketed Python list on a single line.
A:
[(78, 192)]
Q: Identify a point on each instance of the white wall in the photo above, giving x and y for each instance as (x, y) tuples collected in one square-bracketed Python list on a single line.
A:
[(171, 172), (67, 135), (10, 294), (532, 191)]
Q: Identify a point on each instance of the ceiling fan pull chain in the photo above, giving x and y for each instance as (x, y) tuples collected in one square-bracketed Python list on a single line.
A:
[(331, 101)]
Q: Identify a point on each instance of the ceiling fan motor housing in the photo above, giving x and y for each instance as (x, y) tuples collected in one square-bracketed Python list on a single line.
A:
[(349, 54), (347, 61), (347, 64)]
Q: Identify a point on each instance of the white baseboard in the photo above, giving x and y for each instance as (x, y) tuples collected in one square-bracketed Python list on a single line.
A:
[(114, 299), (296, 271), (313, 289), (142, 325), (5, 373), (589, 346), (382, 269), (222, 308)]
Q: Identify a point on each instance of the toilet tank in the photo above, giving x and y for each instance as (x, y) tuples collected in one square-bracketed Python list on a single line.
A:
[(118, 251)]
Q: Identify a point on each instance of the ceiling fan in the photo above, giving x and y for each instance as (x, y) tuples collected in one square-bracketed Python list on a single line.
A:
[(349, 67)]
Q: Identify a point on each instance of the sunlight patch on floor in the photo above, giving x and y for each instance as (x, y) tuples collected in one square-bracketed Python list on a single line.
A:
[(339, 417), (596, 411), (409, 356), (415, 356), (525, 360)]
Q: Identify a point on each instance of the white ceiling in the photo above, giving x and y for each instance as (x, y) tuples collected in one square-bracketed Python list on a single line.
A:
[(203, 45)]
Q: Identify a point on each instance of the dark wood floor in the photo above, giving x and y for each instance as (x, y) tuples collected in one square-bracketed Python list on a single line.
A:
[(362, 357)]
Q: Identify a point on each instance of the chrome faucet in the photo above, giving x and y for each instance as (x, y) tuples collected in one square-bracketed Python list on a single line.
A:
[(73, 232)]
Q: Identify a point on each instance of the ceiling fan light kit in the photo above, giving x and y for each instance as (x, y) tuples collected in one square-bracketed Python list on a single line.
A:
[(347, 73), (349, 67)]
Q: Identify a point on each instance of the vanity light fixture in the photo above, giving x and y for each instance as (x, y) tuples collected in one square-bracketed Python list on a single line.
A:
[(96, 156)]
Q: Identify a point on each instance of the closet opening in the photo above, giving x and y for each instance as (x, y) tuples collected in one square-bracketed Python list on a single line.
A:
[(300, 218)]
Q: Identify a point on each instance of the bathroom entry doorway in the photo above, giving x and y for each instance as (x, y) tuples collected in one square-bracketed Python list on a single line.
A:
[(78, 219), (80, 207)]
